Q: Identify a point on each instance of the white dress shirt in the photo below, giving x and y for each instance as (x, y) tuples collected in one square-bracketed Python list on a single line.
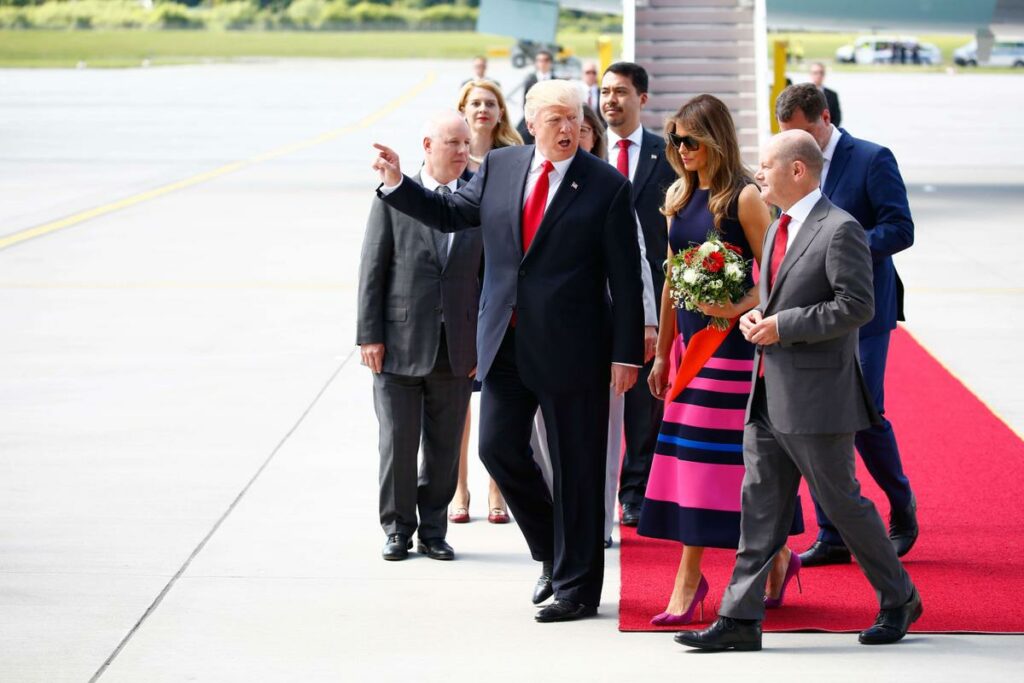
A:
[(636, 137), (829, 152), (554, 178), (798, 214), (431, 184)]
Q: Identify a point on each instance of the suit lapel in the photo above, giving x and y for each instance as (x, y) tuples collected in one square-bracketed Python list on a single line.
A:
[(838, 163), (520, 172), (803, 239), (427, 234), (457, 237), (650, 148), (567, 192)]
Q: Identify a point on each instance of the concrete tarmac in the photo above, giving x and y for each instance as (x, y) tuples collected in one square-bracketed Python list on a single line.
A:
[(188, 465)]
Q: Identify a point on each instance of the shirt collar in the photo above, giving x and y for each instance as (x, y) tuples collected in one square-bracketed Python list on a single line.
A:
[(802, 209), (636, 137), (431, 184), (833, 142), (560, 166)]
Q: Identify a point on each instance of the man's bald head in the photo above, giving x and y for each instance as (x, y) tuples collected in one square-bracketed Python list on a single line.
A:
[(790, 168), (445, 146)]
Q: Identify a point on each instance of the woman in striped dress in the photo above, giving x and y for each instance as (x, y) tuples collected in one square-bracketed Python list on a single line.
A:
[(693, 492)]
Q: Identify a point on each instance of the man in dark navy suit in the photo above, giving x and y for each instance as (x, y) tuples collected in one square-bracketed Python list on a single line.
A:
[(863, 179), (640, 156), (559, 236)]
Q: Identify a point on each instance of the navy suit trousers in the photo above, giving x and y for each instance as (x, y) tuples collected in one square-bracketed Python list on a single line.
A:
[(876, 444)]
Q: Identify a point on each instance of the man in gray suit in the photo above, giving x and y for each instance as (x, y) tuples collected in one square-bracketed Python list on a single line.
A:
[(809, 399), (419, 291)]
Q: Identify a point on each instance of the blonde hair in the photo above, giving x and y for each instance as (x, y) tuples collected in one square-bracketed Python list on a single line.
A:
[(706, 118), (552, 93), (503, 135)]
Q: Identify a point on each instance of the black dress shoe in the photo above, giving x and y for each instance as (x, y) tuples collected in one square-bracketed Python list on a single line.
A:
[(724, 634), (543, 590), (608, 543), (903, 527), (822, 553), (565, 610), (891, 624), (396, 547), (630, 515), (435, 549)]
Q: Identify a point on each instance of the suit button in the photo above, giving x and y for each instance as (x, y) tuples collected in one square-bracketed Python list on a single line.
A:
[(437, 309), (522, 272)]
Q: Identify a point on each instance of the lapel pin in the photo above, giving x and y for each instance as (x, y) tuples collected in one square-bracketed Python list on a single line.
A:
[(575, 186), (654, 156)]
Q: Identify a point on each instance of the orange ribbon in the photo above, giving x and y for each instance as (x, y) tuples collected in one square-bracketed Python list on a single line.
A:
[(699, 349)]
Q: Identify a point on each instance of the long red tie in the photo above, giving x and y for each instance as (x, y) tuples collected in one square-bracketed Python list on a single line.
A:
[(779, 249), (778, 254), (622, 163), (533, 211)]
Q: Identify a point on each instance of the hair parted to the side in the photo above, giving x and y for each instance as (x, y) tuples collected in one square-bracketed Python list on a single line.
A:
[(553, 93), (634, 72), (806, 97), (706, 118), (504, 135)]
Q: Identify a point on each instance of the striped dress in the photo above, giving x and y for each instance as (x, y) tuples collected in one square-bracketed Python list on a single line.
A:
[(693, 492)]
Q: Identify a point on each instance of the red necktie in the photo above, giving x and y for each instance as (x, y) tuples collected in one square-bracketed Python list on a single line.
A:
[(778, 254), (779, 248), (533, 211), (623, 161)]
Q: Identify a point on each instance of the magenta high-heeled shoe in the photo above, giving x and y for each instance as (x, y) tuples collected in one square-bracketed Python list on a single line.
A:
[(792, 572), (666, 619)]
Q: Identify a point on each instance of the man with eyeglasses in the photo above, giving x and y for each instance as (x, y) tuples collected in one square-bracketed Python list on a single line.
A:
[(591, 87), (831, 97), (640, 156)]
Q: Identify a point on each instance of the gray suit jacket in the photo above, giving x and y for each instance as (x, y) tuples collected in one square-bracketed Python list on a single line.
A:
[(822, 295), (403, 293)]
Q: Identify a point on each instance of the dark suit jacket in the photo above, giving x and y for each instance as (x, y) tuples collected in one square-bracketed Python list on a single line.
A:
[(568, 332), (822, 295), (835, 114), (653, 176), (864, 180), (403, 293)]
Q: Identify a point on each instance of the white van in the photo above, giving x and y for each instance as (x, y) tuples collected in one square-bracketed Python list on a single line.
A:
[(886, 50), (1007, 52)]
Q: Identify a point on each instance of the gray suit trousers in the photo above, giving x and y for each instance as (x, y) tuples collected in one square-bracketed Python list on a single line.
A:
[(774, 464), (410, 409)]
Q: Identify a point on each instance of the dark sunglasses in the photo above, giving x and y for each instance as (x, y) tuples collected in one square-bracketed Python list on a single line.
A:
[(688, 141)]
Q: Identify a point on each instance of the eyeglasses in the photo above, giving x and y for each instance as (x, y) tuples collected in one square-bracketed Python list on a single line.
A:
[(691, 143), (590, 72)]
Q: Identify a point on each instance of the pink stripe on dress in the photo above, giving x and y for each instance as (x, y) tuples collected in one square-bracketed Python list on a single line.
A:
[(724, 386), (736, 364), (706, 418), (695, 484)]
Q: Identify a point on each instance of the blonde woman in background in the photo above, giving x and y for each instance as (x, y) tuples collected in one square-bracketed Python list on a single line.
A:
[(483, 106)]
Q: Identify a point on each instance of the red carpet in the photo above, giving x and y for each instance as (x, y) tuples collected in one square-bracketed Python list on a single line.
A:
[(967, 470)]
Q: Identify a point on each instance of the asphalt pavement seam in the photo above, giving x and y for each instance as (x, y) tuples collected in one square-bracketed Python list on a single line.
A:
[(227, 513)]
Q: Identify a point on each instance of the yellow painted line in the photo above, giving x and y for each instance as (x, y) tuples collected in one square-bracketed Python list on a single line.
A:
[(960, 379), (89, 214)]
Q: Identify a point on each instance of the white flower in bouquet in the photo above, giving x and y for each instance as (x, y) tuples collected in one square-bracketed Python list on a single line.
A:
[(734, 272), (707, 248), (689, 276)]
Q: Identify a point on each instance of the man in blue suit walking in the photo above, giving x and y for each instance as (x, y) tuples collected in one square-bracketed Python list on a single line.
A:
[(863, 179)]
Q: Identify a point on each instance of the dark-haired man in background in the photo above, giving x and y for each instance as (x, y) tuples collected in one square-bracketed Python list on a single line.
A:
[(863, 179), (640, 156)]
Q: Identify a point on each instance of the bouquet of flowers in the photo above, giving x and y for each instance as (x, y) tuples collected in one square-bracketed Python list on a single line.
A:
[(711, 273)]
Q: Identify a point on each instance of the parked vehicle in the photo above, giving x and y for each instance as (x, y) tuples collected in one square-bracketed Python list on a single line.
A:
[(889, 50), (1008, 52)]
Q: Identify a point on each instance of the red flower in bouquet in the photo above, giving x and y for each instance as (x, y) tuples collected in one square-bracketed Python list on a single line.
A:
[(714, 261)]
